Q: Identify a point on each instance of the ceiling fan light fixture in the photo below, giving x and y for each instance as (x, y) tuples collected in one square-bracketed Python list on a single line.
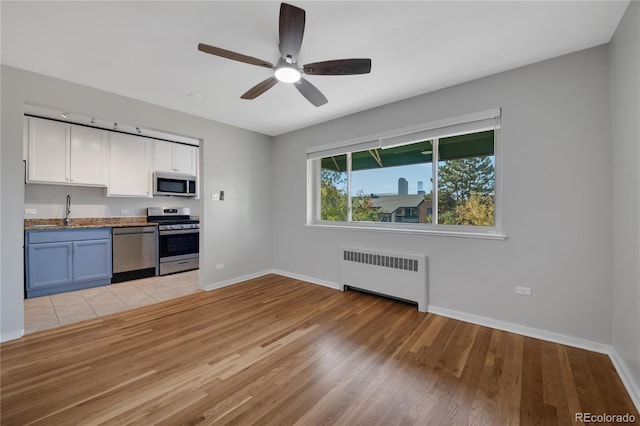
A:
[(287, 74), (291, 31)]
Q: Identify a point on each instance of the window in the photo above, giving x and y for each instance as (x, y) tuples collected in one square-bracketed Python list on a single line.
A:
[(392, 181)]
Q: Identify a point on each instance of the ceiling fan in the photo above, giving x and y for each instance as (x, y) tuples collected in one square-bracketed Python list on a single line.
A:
[(292, 20)]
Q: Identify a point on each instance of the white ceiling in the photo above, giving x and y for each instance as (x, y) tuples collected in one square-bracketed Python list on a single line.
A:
[(148, 50)]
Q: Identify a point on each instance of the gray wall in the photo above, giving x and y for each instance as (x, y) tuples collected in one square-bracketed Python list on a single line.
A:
[(625, 101), (235, 232), (556, 202)]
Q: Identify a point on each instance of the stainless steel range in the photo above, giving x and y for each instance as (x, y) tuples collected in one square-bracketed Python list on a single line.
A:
[(178, 238)]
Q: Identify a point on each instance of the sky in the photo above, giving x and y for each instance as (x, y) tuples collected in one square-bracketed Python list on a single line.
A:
[(385, 181)]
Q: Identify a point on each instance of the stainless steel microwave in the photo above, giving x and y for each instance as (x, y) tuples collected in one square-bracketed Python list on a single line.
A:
[(177, 184)]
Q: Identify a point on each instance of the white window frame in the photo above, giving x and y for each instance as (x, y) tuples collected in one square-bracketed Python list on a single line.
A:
[(463, 124)]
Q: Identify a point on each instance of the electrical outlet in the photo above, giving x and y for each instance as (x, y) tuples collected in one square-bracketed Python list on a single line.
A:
[(523, 291), (215, 196), (124, 211), (30, 211), (219, 265)]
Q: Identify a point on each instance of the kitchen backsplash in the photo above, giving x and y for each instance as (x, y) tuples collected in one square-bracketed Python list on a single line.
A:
[(48, 202)]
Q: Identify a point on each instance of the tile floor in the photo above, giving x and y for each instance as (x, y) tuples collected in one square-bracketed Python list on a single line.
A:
[(41, 313)]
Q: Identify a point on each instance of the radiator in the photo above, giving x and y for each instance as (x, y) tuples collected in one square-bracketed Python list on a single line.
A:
[(402, 276)]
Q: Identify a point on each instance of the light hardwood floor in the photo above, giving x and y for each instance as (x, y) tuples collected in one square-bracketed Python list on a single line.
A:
[(275, 350)]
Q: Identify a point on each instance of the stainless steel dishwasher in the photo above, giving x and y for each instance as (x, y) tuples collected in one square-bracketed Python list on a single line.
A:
[(135, 253)]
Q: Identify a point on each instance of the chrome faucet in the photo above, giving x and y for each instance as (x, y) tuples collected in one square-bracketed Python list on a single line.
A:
[(67, 221)]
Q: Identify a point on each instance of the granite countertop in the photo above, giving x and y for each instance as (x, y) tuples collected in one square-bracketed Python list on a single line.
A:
[(87, 222)]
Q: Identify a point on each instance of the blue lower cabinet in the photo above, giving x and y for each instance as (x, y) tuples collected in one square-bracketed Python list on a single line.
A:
[(66, 260), (49, 264), (92, 260)]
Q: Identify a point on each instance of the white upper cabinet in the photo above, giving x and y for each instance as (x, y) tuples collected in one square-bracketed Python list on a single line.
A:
[(185, 158), (89, 156), (70, 154), (163, 156), (175, 157), (66, 154), (48, 151), (130, 166)]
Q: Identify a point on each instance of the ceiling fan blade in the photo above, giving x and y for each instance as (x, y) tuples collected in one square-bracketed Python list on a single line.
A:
[(233, 55), (260, 88), (310, 92), (291, 30), (339, 67)]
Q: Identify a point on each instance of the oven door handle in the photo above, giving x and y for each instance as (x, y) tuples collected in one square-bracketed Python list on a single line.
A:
[(179, 231)]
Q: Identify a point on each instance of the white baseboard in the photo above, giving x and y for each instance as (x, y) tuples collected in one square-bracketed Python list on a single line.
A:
[(523, 330), (236, 280), (12, 335), (305, 278), (632, 385)]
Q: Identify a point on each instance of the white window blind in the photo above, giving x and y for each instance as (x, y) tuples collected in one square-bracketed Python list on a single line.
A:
[(468, 123), (486, 120), (343, 148)]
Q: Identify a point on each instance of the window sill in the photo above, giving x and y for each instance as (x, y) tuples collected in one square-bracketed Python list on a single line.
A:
[(410, 231)]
